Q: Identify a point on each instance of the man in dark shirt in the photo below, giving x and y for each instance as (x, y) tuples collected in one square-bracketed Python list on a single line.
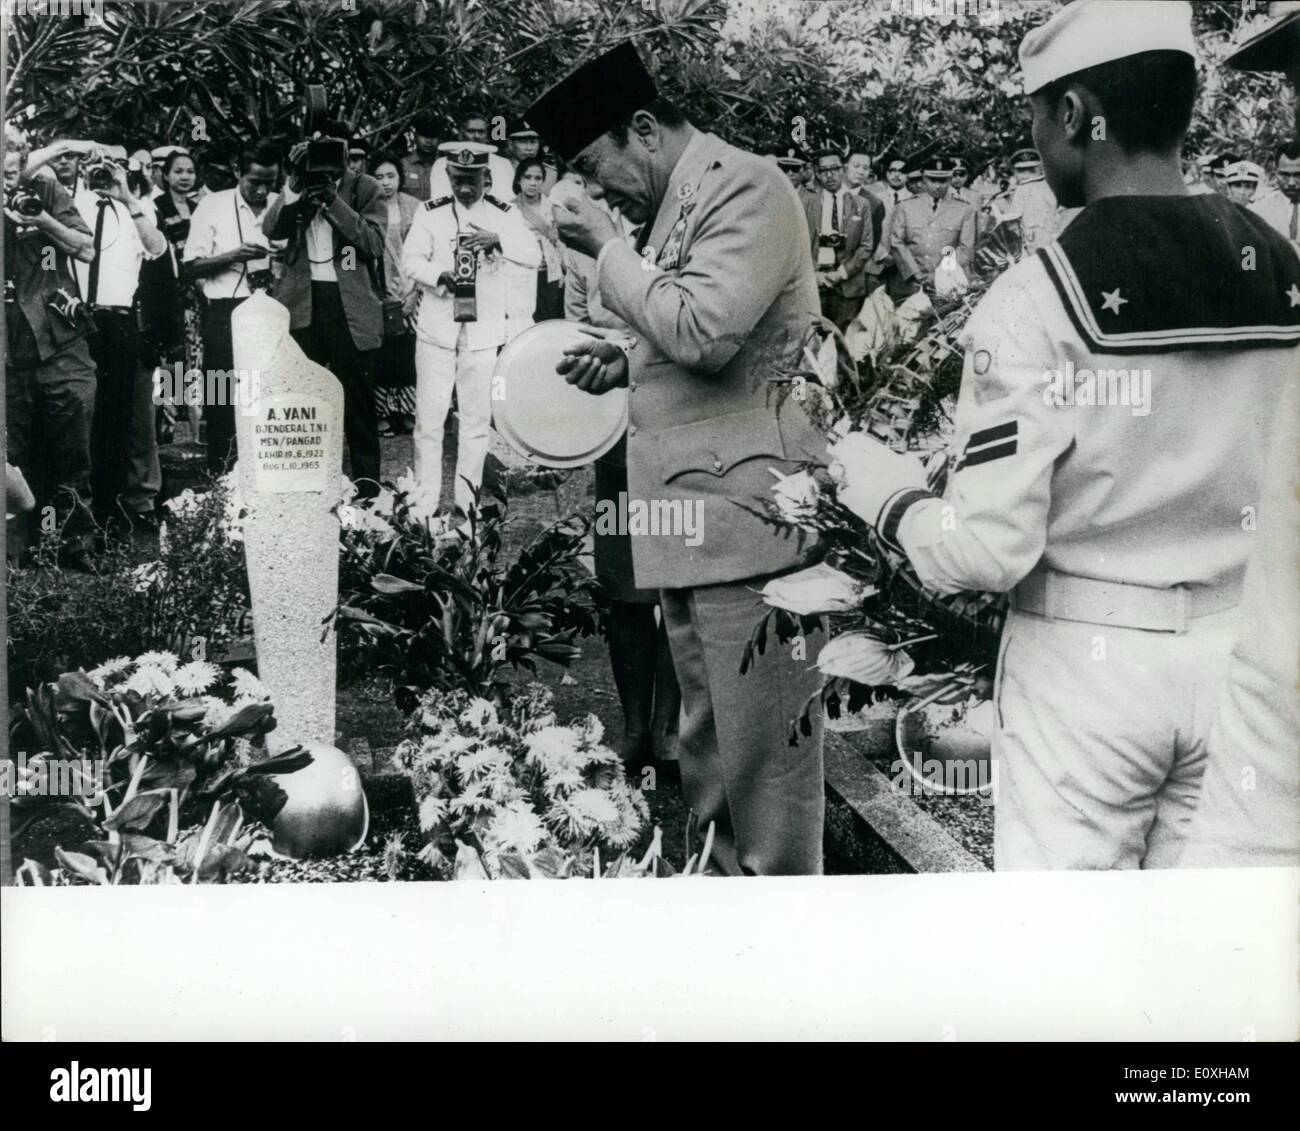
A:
[(49, 374), (417, 166)]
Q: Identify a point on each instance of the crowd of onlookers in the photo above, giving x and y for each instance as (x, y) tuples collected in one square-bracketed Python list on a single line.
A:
[(124, 267), (898, 231)]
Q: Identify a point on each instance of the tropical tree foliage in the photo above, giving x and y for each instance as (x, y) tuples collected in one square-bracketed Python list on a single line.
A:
[(760, 72)]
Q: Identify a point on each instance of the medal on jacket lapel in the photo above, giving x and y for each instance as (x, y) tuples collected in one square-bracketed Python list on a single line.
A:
[(670, 257)]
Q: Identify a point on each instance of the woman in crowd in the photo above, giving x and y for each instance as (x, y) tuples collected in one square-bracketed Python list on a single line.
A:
[(174, 204), (395, 373), (535, 207), (638, 642)]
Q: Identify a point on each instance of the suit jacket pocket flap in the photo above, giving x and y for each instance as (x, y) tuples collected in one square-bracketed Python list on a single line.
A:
[(716, 445)]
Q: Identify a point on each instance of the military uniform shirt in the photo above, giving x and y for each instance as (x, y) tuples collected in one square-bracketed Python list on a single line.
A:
[(920, 231), (429, 251), (1281, 215), (1036, 206), (416, 176)]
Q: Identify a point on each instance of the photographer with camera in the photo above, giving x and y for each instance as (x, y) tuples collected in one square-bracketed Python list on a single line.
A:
[(229, 255), (839, 222), (464, 251), (49, 373), (334, 223), (125, 235)]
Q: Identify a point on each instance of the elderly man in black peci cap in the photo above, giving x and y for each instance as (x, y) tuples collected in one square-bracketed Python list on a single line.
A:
[(717, 293)]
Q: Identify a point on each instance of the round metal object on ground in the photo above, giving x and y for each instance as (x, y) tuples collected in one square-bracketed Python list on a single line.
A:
[(539, 414)]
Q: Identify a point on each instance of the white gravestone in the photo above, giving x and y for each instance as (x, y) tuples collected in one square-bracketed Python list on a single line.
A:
[(289, 430)]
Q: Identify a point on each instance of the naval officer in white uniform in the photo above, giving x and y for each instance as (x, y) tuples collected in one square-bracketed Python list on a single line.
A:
[(455, 350)]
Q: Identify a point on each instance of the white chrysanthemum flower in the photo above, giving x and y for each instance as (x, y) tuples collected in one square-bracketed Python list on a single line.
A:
[(167, 661), (110, 669), (148, 680), (347, 516), (554, 747), (248, 686), (633, 812), (593, 730), (473, 798), (595, 805), (196, 676), (480, 715), (501, 786), (515, 827), (601, 756), (433, 811), (484, 762)]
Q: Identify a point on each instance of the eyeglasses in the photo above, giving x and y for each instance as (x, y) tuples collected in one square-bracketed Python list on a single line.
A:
[(829, 168)]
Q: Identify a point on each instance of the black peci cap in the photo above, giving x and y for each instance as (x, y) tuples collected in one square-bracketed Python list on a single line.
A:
[(591, 100)]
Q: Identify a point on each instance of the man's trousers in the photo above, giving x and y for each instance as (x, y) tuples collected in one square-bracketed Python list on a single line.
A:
[(219, 412), (49, 406), (1101, 740), (328, 342), (437, 372), (840, 309), (115, 346), (738, 768)]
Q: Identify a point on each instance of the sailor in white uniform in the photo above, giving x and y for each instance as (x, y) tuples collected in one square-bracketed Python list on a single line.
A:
[(1108, 455)]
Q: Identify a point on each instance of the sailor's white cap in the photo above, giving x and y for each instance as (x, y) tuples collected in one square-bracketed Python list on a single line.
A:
[(1087, 33)]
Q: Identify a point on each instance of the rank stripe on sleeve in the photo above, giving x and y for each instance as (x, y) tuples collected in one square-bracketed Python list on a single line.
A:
[(987, 435), (987, 455), (989, 444)]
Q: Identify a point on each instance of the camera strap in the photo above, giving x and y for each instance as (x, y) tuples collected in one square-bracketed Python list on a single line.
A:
[(239, 228)]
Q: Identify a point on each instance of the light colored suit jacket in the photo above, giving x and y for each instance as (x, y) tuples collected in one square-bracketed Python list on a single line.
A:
[(359, 217), (722, 311)]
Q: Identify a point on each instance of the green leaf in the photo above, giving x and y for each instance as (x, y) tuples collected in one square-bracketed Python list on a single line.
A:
[(220, 862), (250, 719), (389, 585), (81, 866), (140, 847), (138, 812), (77, 688)]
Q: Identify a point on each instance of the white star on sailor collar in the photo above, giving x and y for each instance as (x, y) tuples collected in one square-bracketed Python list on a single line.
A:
[(1294, 295), (1112, 301)]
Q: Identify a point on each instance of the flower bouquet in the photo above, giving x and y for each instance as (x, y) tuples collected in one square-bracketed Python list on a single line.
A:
[(511, 793), (895, 375)]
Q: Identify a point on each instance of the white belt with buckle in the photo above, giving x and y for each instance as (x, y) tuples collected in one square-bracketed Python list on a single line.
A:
[(1120, 604)]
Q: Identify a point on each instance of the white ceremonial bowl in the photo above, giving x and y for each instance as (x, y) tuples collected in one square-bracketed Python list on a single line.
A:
[(539, 414)]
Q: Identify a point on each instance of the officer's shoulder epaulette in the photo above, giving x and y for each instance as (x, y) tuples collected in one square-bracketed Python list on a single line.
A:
[(501, 204), (432, 204)]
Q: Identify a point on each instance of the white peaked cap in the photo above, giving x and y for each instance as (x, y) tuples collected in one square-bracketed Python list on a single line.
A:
[(1089, 32)]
